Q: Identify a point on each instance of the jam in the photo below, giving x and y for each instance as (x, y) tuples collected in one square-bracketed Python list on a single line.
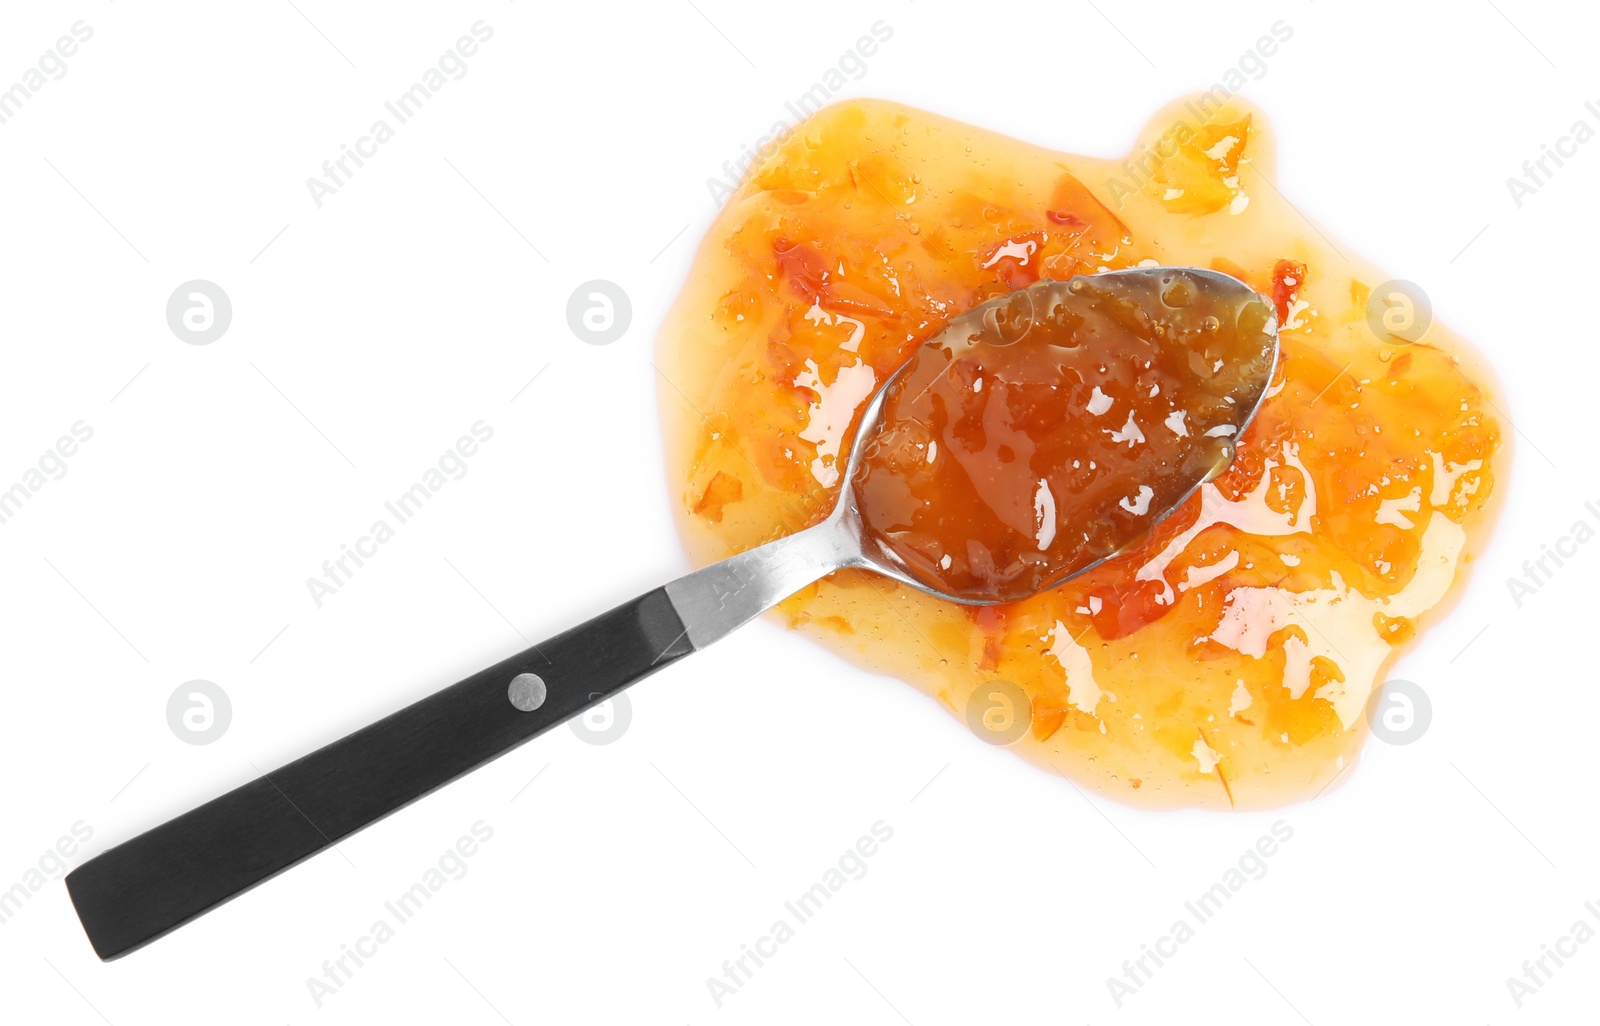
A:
[(1045, 430), (1226, 658)]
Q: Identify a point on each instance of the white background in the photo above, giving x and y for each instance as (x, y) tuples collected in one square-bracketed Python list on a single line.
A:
[(423, 296)]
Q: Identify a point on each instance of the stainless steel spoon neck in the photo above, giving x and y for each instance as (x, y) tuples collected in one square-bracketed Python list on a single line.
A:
[(724, 596)]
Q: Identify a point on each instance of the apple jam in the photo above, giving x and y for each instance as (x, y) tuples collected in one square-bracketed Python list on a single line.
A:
[(1225, 658), (1045, 430)]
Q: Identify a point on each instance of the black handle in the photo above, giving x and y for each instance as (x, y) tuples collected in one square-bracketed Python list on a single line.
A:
[(129, 895)]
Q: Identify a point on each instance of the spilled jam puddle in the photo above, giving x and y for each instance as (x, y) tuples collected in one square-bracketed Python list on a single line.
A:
[(1228, 659)]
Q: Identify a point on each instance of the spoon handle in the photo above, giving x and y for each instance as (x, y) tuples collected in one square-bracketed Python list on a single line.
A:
[(133, 893)]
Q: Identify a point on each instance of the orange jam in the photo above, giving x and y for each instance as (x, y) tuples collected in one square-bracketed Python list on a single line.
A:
[(1045, 430), (1225, 659)]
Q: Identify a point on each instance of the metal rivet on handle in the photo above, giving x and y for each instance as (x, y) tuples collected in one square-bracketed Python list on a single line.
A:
[(527, 691)]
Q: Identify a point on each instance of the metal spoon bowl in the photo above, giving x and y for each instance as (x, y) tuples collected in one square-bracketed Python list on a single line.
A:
[(725, 595)]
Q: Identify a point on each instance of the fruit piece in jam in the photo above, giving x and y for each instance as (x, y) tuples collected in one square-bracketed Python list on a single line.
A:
[(1228, 658), (1050, 428)]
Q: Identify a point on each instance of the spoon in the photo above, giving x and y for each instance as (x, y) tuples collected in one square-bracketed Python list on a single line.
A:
[(1199, 327)]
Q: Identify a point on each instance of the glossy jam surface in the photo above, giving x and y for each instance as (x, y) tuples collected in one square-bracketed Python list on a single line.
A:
[(1049, 428), (1228, 658)]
